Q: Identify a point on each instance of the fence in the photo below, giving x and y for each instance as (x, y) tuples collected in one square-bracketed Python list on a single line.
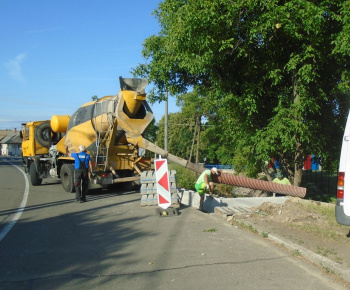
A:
[(321, 185)]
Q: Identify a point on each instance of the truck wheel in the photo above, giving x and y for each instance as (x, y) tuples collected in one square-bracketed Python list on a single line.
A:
[(67, 177), (128, 186), (34, 175), (131, 185), (25, 165), (43, 134)]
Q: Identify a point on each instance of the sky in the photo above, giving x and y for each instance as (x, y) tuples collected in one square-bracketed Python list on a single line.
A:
[(55, 55)]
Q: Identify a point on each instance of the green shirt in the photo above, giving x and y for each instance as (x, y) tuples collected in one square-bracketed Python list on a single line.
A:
[(282, 181), (201, 177)]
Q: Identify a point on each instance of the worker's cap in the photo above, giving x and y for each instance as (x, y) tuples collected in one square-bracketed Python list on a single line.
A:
[(82, 148), (215, 170), (279, 175)]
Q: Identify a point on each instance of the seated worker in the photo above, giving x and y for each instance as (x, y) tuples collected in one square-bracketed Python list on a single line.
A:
[(204, 183), (280, 179)]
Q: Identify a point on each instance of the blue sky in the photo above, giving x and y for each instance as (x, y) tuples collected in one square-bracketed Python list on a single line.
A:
[(56, 54)]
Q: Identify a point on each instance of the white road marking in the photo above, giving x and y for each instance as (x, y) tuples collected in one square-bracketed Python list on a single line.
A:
[(21, 208)]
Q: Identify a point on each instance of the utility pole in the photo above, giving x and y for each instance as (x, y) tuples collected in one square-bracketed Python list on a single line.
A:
[(198, 137), (166, 122)]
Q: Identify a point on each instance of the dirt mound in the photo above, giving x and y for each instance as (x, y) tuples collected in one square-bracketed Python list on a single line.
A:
[(289, 212), (311, 225)]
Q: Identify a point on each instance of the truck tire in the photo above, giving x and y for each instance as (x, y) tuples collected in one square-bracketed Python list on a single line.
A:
[(42, 134), (26, 166), (130, 185), (67, 177), (34, 175)]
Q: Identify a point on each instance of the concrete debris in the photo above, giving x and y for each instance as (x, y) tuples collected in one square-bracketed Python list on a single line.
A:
[(227, 211)]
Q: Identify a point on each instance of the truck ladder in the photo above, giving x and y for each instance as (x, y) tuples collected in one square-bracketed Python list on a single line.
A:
[(103, 131)]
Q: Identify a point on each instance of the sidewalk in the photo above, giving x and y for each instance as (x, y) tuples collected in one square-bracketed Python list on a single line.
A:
[(225, 207)]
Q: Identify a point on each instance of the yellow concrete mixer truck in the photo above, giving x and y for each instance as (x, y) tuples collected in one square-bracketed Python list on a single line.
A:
[(111, 130)]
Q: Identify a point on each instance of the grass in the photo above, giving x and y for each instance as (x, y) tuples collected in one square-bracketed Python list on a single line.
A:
[(325, 252), (322, 230), (327, 211), (245, 226), (264, 235), (296, 253), (327, 269), (210, 231)]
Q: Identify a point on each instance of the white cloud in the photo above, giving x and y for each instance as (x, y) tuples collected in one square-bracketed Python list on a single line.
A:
[(14, 67)]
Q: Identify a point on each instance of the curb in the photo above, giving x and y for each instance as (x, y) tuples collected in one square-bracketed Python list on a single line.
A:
[(327, 264)]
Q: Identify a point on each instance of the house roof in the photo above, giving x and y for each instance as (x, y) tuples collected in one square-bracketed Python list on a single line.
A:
[(11, 138), (3, 133)]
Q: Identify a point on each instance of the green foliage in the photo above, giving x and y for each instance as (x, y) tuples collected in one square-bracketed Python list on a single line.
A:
[(224, 190), (151, 131), (180, 134), (264, 235), (213, 230), (271, 76), (184, 178)]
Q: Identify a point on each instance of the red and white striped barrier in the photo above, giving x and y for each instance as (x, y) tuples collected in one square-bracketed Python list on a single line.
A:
[(162, 183)]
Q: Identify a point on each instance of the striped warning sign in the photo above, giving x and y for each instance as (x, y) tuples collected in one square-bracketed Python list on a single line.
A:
[(162, 182)]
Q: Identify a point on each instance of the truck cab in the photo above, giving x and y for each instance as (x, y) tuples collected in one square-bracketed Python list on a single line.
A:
[(38, 150)]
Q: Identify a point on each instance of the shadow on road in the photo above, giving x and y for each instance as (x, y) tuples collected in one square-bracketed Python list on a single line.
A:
[(62, 243)]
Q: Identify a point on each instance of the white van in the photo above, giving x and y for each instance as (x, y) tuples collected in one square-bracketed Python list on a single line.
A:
[(342, 208)]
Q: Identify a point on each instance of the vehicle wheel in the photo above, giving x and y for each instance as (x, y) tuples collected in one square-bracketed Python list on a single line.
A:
[(34, 175), (128, 186), (25, 166), (67, 177), (43, 134)]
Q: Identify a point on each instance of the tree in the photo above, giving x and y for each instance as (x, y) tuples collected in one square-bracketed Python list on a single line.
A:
[(180, 134), (151, 132), (194, 107), (275, 72)]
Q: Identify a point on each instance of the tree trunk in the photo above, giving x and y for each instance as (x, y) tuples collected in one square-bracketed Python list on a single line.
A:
[(268, 175), (298, 166), (299, 158)]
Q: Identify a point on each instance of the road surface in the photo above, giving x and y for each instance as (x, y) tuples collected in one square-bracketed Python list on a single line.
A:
[(110, 242)]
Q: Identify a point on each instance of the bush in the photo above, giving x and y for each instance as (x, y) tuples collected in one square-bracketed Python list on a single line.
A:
[(185, 178)]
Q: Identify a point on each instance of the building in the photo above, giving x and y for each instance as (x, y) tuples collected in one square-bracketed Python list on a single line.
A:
[(10, 144), (3, 133)]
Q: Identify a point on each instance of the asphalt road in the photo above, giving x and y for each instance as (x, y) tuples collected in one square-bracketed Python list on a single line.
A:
[(110, 242)]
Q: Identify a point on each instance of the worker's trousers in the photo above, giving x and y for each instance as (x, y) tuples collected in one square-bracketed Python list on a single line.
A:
[(81, 182)]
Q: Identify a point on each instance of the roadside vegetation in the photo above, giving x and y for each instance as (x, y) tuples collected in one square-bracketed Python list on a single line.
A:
[(256, 81)]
